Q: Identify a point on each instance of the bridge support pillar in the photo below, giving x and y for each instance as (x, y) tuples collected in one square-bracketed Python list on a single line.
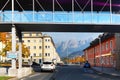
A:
[(20, 51), (13, 45), (13, 71)]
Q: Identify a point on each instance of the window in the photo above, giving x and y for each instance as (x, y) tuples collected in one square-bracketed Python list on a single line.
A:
[(40, 40), (28, 40), (45, 54), (40, 47), (34, 54), (111, 44), (40, 54), (34, 47), (48, 54), (106, 45), (46, 40), (48, 46), (45, 46)]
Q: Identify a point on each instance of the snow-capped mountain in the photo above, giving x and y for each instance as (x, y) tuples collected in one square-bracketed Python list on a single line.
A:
[(65, 48)]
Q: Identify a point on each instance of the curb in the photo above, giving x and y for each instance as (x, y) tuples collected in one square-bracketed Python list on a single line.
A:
[(112, 74), (13, 78)]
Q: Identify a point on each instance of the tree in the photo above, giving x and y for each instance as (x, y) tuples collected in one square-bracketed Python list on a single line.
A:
[(25, 50), (3, 36)]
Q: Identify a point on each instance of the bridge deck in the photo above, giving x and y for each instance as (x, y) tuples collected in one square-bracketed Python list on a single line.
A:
[(60, 21), (56, 27)]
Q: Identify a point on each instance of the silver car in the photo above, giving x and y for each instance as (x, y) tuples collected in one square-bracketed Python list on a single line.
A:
[(48, 66)]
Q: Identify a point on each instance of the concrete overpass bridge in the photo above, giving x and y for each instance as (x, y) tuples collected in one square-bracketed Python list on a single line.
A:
[(57, 16), (60, 16)]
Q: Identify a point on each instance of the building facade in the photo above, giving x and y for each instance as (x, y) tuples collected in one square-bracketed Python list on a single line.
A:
[(41, 47), (102, 51)]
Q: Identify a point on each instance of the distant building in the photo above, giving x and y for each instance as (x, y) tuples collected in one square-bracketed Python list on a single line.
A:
[(42, 47), (103, 51)]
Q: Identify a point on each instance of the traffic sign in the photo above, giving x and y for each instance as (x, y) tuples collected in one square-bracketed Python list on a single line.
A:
[(11, 55)]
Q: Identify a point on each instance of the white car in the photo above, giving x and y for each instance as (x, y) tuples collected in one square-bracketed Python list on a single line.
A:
[(48, 66)]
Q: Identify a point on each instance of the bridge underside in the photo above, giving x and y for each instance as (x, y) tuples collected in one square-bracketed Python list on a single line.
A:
[(56, 27)]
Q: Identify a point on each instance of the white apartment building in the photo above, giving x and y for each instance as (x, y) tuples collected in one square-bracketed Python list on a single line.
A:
[(41, 47)]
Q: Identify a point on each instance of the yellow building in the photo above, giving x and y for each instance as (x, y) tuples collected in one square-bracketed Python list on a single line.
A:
[(41, 47)]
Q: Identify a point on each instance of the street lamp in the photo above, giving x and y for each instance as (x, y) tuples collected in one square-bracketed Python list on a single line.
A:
[(67, 56), (101, 62), (31, 56)]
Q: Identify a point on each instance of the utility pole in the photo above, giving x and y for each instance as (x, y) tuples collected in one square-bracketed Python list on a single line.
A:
[(101, 62), (117, 37)]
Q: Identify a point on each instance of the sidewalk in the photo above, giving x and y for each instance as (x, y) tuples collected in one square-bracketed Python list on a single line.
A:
[(110, 71)]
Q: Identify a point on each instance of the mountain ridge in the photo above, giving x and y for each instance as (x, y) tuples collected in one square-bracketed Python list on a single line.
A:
[(65, 48)]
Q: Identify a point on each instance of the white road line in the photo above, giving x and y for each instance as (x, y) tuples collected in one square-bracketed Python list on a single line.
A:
[(34, 75)]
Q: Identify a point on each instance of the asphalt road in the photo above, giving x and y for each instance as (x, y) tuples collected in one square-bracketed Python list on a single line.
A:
[(39, 76), (77, 73), (70, 73)]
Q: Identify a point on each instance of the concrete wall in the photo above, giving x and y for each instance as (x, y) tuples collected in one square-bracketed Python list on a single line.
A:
[(19, 73), (3, 71), (24, 72)]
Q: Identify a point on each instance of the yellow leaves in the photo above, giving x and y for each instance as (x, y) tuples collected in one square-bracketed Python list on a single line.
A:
[(8, 47), (3, 36), (77, 59), (25, 51)]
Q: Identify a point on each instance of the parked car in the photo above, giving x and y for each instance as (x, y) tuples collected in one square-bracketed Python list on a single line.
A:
[(35, 64), (48, 66)]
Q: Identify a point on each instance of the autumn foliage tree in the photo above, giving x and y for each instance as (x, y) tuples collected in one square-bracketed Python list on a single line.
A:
[(8, 46), (78, 59)]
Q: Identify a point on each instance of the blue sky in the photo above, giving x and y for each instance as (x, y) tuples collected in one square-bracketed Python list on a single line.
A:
[(64, 36)]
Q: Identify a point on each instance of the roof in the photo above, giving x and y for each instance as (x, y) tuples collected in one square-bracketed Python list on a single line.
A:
[(47, 5)]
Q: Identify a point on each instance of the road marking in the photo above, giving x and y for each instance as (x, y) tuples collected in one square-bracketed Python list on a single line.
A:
[(34, 75)]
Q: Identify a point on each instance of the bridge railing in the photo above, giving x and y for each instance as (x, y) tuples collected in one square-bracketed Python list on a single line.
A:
[(60, 17)]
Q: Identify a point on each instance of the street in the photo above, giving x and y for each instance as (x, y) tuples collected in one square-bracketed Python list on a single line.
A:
[(70, 72)]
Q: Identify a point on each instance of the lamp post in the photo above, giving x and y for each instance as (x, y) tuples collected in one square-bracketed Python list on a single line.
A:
[(67, 56), (101, 62), (31, 56)]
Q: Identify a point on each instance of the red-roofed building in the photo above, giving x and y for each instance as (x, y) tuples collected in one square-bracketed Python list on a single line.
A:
[(103, 51)]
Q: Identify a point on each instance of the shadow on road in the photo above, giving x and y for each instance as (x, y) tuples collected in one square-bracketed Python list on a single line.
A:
[(36, 68)]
